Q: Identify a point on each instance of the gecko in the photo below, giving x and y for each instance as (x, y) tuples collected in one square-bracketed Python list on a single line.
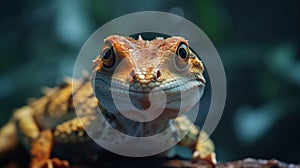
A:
[(47, 124)]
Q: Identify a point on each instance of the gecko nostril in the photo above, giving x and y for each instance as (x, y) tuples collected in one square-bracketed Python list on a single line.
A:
[(158, 75), (132, 76)]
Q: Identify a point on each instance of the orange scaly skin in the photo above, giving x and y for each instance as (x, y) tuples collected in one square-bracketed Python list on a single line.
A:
[(51, 122)]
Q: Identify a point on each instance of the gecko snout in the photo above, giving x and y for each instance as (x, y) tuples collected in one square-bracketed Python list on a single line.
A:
[(146, 76)]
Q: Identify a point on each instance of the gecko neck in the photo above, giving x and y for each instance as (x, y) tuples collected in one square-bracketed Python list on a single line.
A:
[(135, 128)]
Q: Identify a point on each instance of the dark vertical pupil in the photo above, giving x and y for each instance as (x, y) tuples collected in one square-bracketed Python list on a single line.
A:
[(107, 54), (182, 53)]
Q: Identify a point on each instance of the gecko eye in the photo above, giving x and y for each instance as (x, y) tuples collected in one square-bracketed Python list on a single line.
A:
[(181, 60), (108, 57), (182, 51)]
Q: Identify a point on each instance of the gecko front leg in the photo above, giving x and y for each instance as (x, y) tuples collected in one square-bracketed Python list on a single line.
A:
[(204, 149), (197, 140), (39, 142), (40, 152)]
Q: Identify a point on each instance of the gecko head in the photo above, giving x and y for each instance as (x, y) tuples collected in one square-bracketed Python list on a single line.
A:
[(156, 75)]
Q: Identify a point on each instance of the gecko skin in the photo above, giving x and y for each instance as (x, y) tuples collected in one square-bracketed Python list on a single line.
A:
[(49, 123)]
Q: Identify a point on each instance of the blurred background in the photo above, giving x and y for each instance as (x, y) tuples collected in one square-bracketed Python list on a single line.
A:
[(258, 43)]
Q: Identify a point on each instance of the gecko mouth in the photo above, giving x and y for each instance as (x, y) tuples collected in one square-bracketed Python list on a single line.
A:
[(180, 95), (172, 88)]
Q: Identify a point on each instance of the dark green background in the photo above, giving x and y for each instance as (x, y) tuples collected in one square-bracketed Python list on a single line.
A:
[(258, 42)]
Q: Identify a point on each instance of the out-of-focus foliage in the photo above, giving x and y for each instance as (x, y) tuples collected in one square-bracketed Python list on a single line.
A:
[(257, 41)]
